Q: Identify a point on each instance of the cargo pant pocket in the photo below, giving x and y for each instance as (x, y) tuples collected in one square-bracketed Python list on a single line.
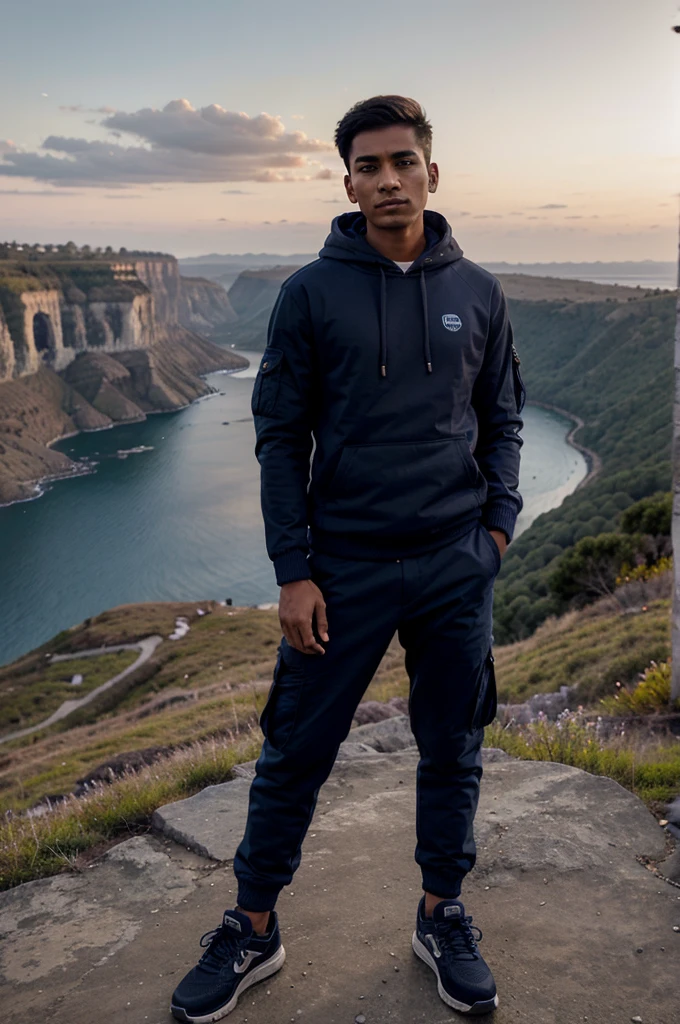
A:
[(280, 712), (486, 703)]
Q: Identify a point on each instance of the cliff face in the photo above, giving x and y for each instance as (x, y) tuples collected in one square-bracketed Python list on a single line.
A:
[(50, 326), (252, 296), (204, 305), (102, 345), (161, 277)]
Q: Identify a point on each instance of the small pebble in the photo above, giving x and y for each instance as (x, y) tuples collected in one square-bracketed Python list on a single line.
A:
[(360, 1019), (675, 928), (639, 950), (636, 1020)]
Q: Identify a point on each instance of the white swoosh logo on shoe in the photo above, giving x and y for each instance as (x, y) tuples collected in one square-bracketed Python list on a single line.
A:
[(242, 967)]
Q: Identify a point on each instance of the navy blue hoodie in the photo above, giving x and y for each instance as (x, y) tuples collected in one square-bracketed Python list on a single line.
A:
[(406, 387)]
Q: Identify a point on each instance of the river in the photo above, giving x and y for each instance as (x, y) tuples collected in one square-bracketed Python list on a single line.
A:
[(179, 519)]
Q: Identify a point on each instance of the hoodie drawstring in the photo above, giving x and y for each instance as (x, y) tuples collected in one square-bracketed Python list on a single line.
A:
[(383, 323), (426, 338)]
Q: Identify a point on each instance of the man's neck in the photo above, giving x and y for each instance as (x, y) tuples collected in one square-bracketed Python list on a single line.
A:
[(401, 245)]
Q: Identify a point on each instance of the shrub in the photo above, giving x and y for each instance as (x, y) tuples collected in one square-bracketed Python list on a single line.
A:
[(651, 694)]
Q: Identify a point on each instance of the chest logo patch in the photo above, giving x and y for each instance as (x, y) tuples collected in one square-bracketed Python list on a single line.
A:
[(452, 322)]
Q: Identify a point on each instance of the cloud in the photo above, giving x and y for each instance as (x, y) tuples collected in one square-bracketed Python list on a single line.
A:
[(177, 143), (516, 213), (550, 206), (574, 216), (297, 117), (463, 213), (236, 192), (333, 201), (60, 193), (80, 109)]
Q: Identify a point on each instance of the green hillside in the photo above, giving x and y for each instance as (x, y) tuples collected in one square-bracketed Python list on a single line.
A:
[(612, 365)]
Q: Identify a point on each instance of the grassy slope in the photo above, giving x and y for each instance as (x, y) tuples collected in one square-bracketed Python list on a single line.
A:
[(214, 681)]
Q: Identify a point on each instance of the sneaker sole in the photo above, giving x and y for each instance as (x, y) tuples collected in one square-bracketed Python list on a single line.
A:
[(476, 1010), (265, 970)]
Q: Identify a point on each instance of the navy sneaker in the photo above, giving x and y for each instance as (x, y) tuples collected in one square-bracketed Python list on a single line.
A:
[(235, 958), (448, 945)]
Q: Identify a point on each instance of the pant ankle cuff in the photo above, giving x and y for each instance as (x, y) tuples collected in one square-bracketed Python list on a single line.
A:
[(255, 898), (442, 889)]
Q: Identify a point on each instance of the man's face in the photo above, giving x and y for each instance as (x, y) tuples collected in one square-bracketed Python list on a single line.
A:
[(388, 177)]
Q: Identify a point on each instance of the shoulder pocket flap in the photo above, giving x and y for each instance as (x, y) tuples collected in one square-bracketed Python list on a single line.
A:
[(270, 360)]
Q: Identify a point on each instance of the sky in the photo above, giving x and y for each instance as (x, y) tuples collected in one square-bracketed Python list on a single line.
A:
[(208, 127)]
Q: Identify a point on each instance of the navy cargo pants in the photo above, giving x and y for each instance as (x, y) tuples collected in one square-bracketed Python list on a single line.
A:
[(441, 605)]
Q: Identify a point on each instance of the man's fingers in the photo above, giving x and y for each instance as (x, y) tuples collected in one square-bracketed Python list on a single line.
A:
[(321, 620), (301, 637), (310, 646)]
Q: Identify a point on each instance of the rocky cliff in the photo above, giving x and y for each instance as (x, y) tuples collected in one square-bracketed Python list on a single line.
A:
[(204, 306), (87, 344)]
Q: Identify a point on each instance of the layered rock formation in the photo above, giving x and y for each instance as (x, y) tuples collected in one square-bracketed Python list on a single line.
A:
[(204, 306), (85, 345)]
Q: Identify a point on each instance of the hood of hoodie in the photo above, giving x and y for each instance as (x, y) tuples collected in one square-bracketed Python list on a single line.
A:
[(347, 241)]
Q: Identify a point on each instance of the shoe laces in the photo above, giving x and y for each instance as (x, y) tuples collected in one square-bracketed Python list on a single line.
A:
[(222, 945), (459, 937)]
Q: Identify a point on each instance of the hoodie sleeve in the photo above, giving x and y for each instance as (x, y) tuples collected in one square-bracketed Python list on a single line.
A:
[(282, 410), (498, 398)]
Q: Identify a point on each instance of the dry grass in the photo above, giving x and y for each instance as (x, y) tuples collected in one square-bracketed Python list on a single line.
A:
[(33, 847)]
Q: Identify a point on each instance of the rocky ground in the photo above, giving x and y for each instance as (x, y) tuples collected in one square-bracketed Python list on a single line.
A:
[(578, 923)]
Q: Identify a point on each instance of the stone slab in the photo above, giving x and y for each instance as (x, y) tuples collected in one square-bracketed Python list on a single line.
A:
[(558, 892), (211, 823), (388, 736)]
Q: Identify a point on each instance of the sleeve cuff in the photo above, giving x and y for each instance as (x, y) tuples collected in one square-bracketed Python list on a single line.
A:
[(291, 566), (500, 515)]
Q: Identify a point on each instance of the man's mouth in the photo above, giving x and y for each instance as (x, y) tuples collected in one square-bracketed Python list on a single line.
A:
[(391, 202)]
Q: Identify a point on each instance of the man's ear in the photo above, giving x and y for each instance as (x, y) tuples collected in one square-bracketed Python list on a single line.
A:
[(351, 194), (433, 177)]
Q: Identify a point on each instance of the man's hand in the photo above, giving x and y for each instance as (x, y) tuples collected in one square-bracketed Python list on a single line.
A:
[(500, 539), (300, 604)]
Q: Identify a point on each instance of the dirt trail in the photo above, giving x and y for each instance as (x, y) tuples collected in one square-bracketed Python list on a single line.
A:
[(146, 647)]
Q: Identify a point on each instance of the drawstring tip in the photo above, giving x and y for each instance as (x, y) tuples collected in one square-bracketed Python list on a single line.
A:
[(383, 370), (429, 367)]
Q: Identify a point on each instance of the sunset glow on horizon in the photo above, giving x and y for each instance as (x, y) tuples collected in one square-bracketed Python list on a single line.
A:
[(209, 129)]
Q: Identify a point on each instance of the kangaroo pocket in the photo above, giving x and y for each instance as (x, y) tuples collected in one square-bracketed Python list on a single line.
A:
[(400, 488)]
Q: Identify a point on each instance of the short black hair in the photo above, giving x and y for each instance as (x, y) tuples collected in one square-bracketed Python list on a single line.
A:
[(380, 112)]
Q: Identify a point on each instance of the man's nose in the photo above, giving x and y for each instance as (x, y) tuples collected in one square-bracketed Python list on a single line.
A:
[(388, 181)]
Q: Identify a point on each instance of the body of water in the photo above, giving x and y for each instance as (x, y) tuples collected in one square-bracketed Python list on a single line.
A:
[(178, 517)]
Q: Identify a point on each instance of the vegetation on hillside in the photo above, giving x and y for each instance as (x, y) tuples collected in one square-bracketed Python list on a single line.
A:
[(611, 364)]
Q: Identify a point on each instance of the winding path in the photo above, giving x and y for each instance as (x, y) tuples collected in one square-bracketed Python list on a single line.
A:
[(146, 647)]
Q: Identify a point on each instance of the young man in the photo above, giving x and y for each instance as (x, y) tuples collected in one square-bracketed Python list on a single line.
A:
[(394, 355)]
